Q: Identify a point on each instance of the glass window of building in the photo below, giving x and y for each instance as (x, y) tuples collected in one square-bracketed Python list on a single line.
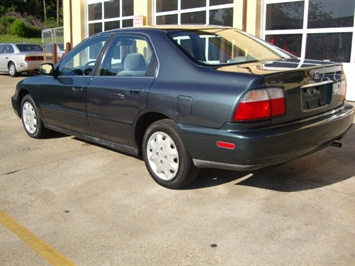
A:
[(324, 32), (284, 16), (109, 14), (216, 12), (330, 14)]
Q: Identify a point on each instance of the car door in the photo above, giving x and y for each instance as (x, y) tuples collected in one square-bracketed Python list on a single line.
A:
[(119, 90), (63, 95), (5, 51)]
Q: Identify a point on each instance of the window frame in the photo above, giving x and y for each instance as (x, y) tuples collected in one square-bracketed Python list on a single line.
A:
[(304, 31), (112, 45), (179, 11), (120, 18)]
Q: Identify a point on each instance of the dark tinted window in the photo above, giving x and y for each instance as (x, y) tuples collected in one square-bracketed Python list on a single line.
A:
[(168, 19), (127, 23), (337, 48), (291, 43), (112, 25), (166, 5), (185, 4), (284, 16), (127, 8), (328, 14), (220, 2), (194, 18), (95, 28), (222, 17), (112, 9), (95, 11)]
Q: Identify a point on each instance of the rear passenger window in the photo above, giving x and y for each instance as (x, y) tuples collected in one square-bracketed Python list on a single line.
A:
[(129, 55)]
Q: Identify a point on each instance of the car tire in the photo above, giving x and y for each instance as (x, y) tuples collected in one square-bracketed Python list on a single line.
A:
[(12, 70), (166, 156), (31, 119)]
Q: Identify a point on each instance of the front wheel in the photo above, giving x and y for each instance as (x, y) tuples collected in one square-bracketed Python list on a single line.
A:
[(31, 119), (166, 157)]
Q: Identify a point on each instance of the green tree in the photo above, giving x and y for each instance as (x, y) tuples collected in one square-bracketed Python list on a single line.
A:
[(40, 9)]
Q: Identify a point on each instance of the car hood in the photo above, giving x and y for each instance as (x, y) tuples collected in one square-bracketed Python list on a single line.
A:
[(273, 67)]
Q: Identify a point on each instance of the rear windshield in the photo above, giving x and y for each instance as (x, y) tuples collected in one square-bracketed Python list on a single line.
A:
[(225, 46), (29, 47)]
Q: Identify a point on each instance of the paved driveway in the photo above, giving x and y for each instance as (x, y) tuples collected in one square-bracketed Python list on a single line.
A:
[(64, 200)]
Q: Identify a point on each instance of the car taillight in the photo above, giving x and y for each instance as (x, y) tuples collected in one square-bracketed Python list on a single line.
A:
[(34, 58), (261, 104)]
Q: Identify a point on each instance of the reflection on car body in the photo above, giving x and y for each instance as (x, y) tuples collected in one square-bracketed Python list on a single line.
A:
[(188, 97)]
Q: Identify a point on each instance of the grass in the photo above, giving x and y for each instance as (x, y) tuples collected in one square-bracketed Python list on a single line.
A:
[(14, 38)]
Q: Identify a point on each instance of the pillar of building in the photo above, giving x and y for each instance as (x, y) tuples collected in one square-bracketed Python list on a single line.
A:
[(254, 15), (74, 21), (238, 14), (145, 9)]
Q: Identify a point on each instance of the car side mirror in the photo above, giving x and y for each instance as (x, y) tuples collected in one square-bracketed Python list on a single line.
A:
[(46, 69)]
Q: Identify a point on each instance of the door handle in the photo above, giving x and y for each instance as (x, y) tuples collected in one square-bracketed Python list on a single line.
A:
[(135, 91), (77, 88)]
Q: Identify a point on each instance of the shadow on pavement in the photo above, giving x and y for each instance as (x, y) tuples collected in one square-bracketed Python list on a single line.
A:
[(326, 167)]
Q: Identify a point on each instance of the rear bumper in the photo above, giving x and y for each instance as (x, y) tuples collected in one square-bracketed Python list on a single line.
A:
[(260, 148), (29, 66)]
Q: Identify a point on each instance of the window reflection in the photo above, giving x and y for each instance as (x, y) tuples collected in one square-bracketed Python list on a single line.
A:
[(127, 7), (291, 43), (112, 9), (164, 5), (169, 19), (333, 46), (95, 11), (222, 17), (327, 14), (112, 25), (220, 2), (194, 18), (185, 4), (284, 16), (127, 23), (95, 28)]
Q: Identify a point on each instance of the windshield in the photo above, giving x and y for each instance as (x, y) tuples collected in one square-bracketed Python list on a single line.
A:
[(225, 46)]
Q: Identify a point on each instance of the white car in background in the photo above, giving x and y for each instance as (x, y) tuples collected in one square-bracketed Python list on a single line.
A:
[(16, 58)]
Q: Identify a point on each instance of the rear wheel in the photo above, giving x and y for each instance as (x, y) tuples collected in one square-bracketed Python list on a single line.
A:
[(31, 119), (12, 70), (166, 157)]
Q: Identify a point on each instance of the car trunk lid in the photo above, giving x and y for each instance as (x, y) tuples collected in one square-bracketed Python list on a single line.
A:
[(311, 87), (309, 90)]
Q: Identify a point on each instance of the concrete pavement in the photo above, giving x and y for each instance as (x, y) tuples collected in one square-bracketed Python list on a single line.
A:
[(95, 206)]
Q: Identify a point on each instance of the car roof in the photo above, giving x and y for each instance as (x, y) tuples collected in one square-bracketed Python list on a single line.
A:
[(168, 28), (16, 43)]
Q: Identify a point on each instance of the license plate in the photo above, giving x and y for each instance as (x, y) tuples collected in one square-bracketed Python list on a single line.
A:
[(313, 97)]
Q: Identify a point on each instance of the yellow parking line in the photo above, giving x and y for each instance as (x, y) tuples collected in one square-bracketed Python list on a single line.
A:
[(41, 247)]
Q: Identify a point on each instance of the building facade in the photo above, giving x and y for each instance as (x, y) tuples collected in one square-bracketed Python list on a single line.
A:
[(317, 29)]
